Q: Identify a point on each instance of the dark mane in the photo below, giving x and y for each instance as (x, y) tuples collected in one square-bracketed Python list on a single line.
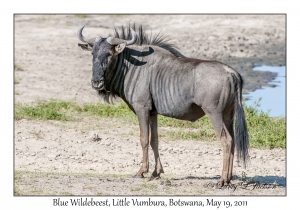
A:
[(144, 39)]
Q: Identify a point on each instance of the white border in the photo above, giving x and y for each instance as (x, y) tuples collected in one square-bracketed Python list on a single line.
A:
[(254, 6)]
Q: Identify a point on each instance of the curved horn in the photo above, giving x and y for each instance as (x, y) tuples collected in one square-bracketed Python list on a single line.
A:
[(134, 37), (83, 39), (80, 36), (117, 41)]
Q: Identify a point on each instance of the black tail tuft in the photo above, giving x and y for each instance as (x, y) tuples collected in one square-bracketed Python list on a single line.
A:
[(241, 139)]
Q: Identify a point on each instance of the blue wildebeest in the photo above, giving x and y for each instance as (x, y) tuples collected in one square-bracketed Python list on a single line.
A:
[(152, 77)]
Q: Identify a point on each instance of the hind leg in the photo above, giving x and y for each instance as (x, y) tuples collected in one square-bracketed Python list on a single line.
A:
[(227, 143), (228, 120), (154, 144)]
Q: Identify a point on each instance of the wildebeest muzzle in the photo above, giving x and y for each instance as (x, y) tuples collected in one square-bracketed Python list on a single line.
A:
[(98, 83)]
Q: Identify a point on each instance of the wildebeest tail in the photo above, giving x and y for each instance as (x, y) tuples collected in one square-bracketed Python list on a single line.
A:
[(241, 139)]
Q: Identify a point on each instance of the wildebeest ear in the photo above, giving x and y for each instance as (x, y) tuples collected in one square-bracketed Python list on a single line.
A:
[(120, 47), (85, 46)]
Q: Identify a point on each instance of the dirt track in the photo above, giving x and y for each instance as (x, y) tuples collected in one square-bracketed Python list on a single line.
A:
[(63, 158)]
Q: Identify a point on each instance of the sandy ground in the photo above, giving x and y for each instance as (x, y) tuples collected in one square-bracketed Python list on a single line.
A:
[(65, 158)]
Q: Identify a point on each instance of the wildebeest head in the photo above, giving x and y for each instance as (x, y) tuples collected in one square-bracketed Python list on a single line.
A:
[(105, 52)]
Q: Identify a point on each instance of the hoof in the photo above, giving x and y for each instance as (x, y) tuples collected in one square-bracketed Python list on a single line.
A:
[(220, 183), (138, 176)]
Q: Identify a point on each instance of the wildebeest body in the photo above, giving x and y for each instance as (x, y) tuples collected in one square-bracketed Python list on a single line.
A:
[(156, 79), (167, 86)]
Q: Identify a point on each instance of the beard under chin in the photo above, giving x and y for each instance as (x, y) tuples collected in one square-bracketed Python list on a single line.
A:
[(106, 96)]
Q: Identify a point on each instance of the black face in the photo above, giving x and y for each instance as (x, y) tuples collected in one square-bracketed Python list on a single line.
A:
[(102, 55)]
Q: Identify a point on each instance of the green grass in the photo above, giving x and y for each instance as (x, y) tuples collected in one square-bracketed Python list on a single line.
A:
[(264, 132), (106, 110), (52, 110)]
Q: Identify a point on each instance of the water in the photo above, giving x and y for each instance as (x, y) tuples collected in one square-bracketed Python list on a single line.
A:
[(273, 99)]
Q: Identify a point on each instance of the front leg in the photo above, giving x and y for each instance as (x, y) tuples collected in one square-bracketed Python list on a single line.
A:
[(143, 117)]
